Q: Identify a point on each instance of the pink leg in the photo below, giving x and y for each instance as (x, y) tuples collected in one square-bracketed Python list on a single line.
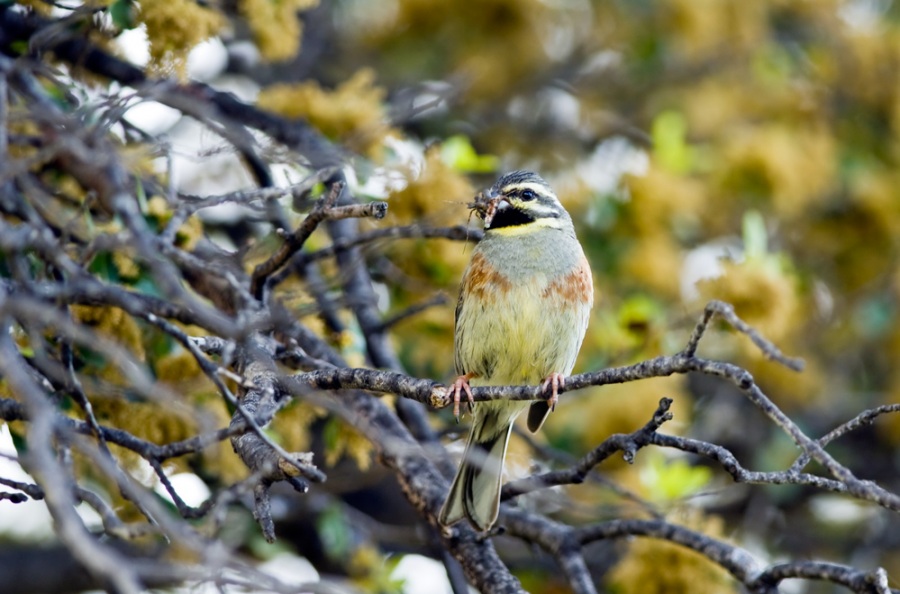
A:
[(457, 388), (554, 381)]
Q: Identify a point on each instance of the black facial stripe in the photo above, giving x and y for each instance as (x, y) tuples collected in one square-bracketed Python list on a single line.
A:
[(510, 217)]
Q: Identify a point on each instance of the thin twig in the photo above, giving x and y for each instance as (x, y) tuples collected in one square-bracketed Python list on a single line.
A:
[(324, 210), (414, 310), (863, 419)]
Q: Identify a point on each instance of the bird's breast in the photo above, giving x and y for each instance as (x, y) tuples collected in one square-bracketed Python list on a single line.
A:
[(517, 324)]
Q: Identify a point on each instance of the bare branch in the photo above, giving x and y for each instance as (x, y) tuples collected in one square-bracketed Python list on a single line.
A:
[(726, 312), (325, 210), (457, 233)]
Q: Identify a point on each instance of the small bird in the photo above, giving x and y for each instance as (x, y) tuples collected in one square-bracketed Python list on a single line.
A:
[(521, 316)]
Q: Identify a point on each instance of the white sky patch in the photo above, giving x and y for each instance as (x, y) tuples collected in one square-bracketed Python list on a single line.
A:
[(863, 15), (152, 117), (422, 575), (290, 569), (839, 511), (602, 171), (569, 25), (599, 62), (134, 46), (207, 60), (705, 262), (28, 521), (554, 106), (192, 490)]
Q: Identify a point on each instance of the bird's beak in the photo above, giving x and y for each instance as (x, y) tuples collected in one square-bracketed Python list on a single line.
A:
[(498, 204), (487, 204)]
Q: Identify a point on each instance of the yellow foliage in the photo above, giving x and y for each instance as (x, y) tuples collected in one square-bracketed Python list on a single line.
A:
[(857, 245), (685, 572), (147, 420), (874, 194), (350, 443), (276, 26), (704, 28), (353, 112), (791, 168), (177, 368), (113, 323), (478, 42), (139, 158), (174, 27), (181, 372), (660, 198), (426, 341), (364, 561), (762, 294), (292, 425), (605, 334), (158, 208), (437, 196), (219, 458), (40, 6), (790, 389), (437, 188), (712, 105), (654, 262), (888, 426), (125, 264), (860, 67), (190, 232), (596, 413)]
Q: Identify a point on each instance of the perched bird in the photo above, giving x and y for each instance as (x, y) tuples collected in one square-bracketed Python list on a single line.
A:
[(521, 316)]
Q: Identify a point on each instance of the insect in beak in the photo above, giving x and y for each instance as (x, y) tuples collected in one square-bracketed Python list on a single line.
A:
[(486, 204)]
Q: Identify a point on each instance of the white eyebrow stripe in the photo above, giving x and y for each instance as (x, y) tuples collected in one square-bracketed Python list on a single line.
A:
[(538, 189)]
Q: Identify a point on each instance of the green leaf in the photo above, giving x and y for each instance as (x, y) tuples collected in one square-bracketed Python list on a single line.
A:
[(874, 318), (755, 235), (19, 441), (102, 265), (330, 433), (670, 480), (334, 532), (141, 195), (20, 47), (458, 152), (122, 14), (638, 312), (262, 549), (669, 145), (773, 65)]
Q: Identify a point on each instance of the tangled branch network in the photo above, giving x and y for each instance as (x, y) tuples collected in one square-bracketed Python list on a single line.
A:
[(236, 327)]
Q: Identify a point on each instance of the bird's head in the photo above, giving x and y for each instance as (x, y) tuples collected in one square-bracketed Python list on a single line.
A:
[(520, 201)]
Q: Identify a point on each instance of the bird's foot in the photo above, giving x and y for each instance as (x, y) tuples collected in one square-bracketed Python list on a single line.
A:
[(554, 382), (460, 386)]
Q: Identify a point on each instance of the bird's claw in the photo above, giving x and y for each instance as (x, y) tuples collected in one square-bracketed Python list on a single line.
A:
[(554, 381), (458, 387)]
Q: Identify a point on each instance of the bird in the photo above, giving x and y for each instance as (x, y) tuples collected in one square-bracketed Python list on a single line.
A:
[(522, 313)]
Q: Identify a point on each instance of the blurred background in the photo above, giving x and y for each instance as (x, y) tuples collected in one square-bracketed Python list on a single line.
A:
[(743, 151)]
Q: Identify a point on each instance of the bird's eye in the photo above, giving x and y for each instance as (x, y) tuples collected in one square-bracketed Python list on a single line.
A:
[(528, 195)]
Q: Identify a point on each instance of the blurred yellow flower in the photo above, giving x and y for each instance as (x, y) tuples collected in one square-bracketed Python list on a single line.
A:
[(276, 25), (353, 113)]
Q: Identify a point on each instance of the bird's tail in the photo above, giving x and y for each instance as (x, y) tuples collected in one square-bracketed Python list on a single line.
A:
[(476, 489)]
